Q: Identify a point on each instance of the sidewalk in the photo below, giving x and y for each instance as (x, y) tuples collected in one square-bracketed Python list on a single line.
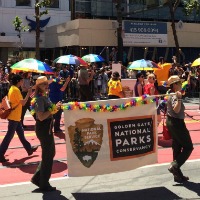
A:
[(152, 182)]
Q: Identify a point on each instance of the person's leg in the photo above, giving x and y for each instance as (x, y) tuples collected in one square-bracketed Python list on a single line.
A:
[(12, 125), (182, 147), (46, 138), (20, 133), (82, 93), (48, 153), (176, 147), (57, 118)]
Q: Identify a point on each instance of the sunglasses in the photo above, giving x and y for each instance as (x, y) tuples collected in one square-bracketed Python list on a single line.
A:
[(152, 78), (141, 76)]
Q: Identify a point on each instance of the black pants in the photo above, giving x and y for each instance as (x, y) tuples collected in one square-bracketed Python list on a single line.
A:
[(182, 144), (85, 93), (44, 134)]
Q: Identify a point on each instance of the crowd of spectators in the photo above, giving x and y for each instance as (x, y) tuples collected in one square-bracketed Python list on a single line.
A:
[(101, 76)]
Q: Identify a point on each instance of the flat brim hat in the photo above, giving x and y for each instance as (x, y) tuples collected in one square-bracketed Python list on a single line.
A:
[(41, 79), (171, 80)]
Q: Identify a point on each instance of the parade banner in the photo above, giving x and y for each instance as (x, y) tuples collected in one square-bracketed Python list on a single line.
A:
[(110, 136)]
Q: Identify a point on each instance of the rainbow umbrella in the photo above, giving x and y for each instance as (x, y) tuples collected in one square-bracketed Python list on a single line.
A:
[(143, 65), (32, 65), (93, 58), (70, 60)]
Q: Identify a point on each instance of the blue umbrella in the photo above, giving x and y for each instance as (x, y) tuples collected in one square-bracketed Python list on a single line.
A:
[(32, 65), (93, 58), (143, 65), (70, 60)]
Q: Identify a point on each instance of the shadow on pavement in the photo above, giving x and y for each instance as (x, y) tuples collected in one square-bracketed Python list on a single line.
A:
[(195, 187), (145, 194), (30, 168), (54, 195)]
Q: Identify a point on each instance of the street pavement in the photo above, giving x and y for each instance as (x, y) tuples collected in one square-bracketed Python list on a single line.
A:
[(148, 182)]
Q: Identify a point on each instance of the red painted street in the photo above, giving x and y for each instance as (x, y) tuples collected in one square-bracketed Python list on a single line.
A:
[(21, 167)]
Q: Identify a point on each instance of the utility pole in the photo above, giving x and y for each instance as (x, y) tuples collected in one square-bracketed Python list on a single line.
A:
[(119, 10), (72, 8)]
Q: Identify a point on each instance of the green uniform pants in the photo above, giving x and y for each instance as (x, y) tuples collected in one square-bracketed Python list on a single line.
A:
[(45, 135), (182, 144)]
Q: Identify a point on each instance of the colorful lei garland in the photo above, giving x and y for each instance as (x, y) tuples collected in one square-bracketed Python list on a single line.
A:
[(108, 108), (58, 80), (52, 107)]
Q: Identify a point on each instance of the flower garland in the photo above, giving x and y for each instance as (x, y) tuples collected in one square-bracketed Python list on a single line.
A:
[(58, 80), (52, 107), (108, 108)]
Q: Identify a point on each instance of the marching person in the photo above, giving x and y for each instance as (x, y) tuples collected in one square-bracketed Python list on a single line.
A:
[(182, 144), (56, 91), (115, 87), (44, 110), (14, 119)]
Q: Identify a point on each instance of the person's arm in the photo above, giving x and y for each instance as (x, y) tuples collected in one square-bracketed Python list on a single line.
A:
[(90, 77), (23, 101), (177, 106), (139, 87), (65, 85), (44, 115)]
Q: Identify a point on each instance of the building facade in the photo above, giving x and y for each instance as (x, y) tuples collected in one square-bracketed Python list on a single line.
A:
[(90, 26), (10, 43)]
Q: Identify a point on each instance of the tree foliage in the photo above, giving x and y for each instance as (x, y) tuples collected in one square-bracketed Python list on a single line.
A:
[(18, 24), (190, 6), (38, 13)]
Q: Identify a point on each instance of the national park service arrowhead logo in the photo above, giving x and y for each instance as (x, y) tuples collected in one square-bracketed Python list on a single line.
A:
[(86, 140)]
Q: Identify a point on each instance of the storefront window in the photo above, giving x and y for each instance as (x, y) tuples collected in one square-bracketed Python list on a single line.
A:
[(23, 2)]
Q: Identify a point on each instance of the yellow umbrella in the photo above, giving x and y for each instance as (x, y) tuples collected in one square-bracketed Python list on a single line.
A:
[(196, 62)]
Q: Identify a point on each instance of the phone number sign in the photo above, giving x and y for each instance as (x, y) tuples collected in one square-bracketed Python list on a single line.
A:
[(144, 33)]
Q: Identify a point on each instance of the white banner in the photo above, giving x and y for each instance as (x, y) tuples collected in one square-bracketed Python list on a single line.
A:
[(107, 142)]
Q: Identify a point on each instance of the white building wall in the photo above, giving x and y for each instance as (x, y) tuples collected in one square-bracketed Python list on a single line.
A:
[(9, 10)]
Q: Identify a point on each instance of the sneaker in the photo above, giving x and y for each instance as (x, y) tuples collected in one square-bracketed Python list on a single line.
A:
[(174, 170), (32, 150)]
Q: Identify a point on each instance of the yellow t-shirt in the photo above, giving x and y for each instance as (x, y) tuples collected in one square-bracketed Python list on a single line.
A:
[(14, 96), (114, 88)]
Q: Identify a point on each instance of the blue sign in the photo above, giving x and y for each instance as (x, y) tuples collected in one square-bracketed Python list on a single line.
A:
[(145, 27), (144, 33)]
